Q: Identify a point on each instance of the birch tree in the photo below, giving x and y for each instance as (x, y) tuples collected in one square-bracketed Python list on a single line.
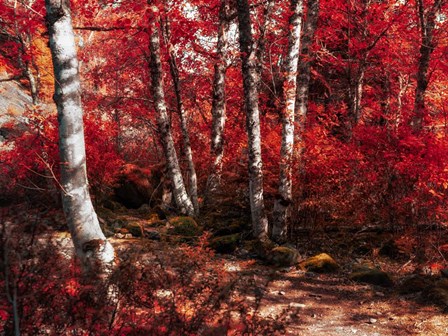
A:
[(248, 48), (284, 197), (303, 79), (174, 70), (91, 246), (219, 103), (181, 198)]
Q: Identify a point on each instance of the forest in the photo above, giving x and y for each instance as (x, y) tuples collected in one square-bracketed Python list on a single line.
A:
[(223, 167)]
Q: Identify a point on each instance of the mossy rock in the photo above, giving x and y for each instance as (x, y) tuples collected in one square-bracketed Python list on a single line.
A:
[(283, 256), (321, 263), (225, 244), (135, 229), (414, 284), (184, 226), (370, 275)]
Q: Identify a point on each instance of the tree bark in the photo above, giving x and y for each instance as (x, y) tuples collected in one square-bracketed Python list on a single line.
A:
[(181, 198), (250, 83), (91, 246), (174, 70), (281, 216), (303, 80), (427, 21), (219, 104)]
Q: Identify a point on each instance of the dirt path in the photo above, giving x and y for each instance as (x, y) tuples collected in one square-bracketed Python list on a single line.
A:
[(319, 304)]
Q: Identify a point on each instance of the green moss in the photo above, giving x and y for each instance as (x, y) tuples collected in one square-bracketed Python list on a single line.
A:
[(184, 226), (283, 256), (225, 244), (321, 263)]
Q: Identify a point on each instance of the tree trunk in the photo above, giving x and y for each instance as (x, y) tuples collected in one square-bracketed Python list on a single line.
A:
[(427, 24), (219, 104), (181, 198), (283, 201), (303, 80), (94, 251), (250, 83), (193, 180)]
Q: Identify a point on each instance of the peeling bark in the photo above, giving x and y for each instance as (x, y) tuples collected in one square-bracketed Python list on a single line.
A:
[(219, 104), (249, 60), (91, 246), (283, 201), (181, 198)]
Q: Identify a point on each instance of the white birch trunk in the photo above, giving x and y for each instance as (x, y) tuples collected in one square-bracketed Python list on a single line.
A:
[(193, 180), (283, 201), (219, 104), (250, 82), (94, 251), (181, 198), (303, 80)]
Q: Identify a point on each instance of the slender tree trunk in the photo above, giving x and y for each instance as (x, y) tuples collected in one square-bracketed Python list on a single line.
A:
[(427, 21), (250, 83), (284, 199), (304, 73), (174, 70), (181, 198), (219, 104), (94, 251)]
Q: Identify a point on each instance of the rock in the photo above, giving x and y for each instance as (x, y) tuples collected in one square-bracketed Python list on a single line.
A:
[(225, 244), (321, 263), (135, 229), (297, 305), (438, 293), (414, 283), (184, 226), (152, 234), (372, 320), (283, 256), (367, 274)]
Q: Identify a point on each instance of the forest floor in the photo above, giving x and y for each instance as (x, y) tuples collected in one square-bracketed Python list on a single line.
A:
[(291, 301)]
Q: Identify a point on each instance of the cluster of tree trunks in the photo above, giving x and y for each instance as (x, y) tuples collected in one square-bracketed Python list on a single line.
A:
[(91, 244)]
